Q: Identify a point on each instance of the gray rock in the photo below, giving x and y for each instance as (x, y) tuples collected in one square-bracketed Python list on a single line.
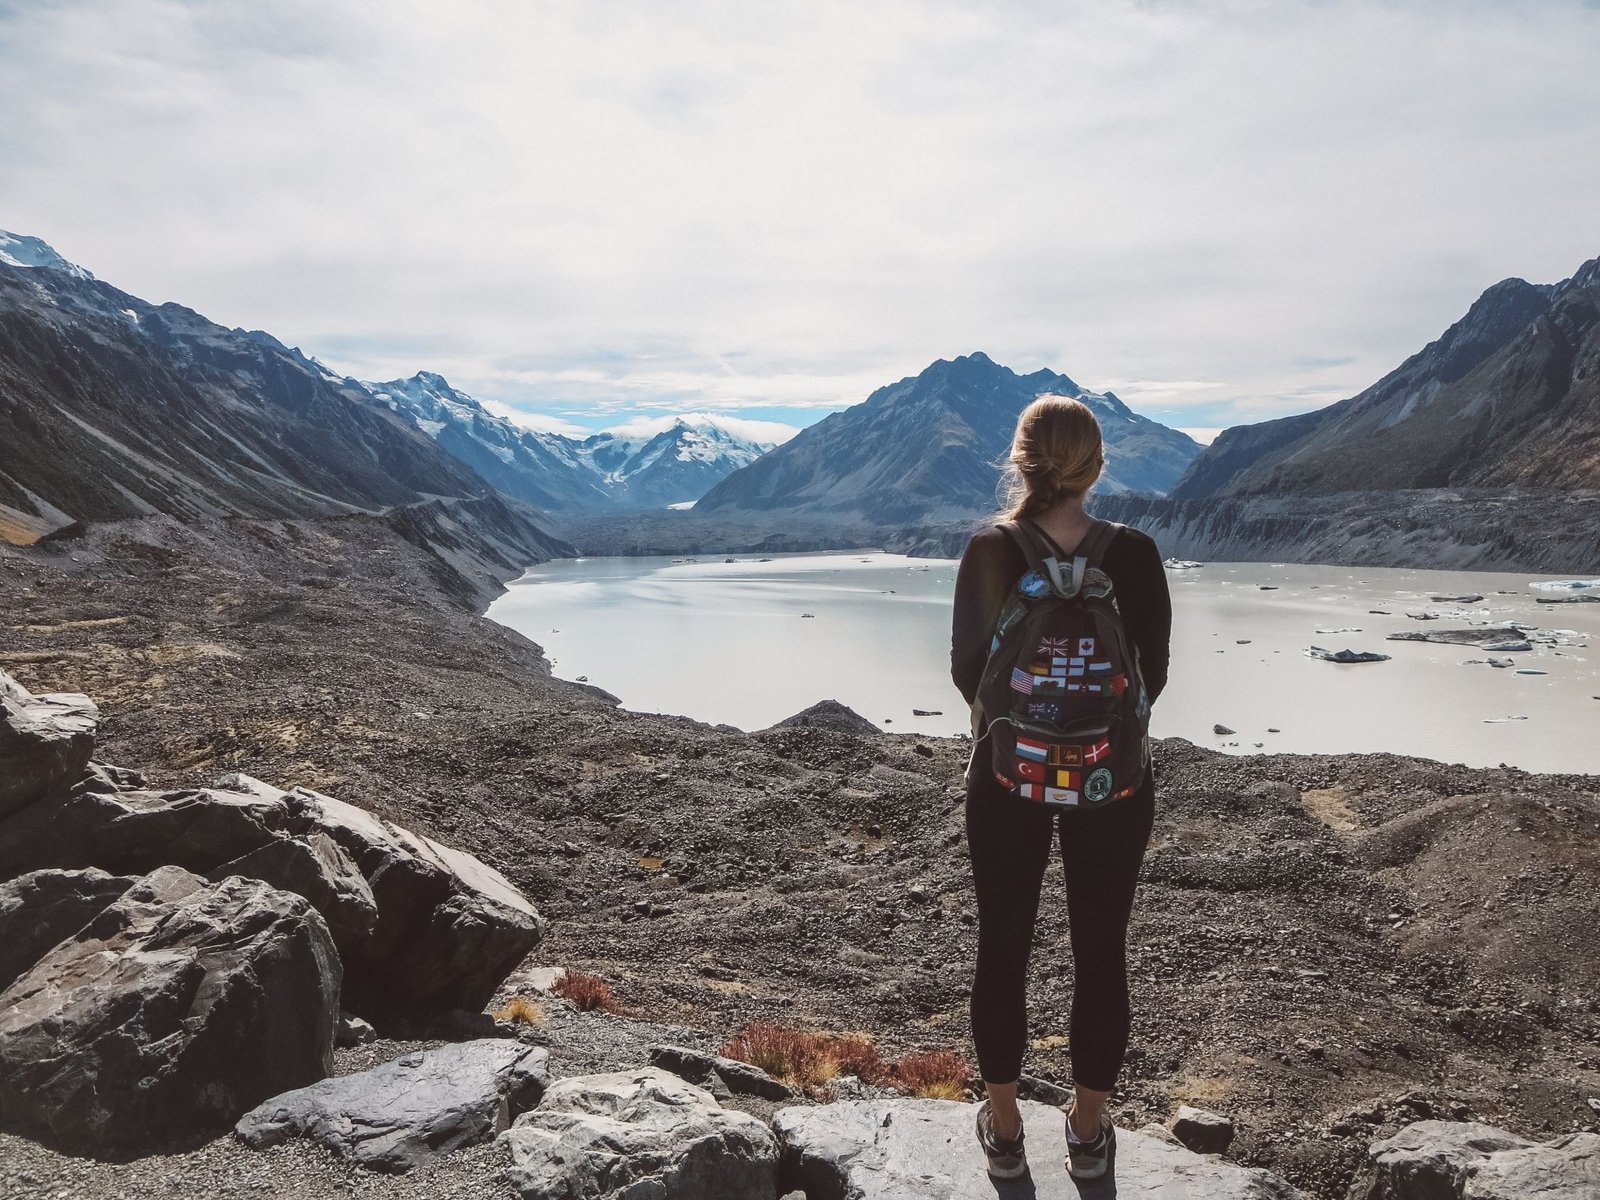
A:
[(43, 908), (639, 1135), (1222, 730), (103, 777), (900, 1149), (400, 1114), (45, 743), (420, 927), (353, 1031), (710, 1070), (180, 1006), (316, 868), (134, 832), (1485, 637), (1031, 1087), (450, 928), (1201, 1131), (1465, 1160)]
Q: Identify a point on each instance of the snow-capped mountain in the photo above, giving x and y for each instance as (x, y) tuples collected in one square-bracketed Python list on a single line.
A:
[(643, 464)]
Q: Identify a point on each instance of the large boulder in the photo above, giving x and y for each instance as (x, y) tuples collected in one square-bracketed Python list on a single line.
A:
[(1465, 1160), (899, 1149), (638, 1135), (42, 908), (45, 743), (179, 1007), (450, 928), (316, 868), (402, 1113), (138, 831), (421, 927)]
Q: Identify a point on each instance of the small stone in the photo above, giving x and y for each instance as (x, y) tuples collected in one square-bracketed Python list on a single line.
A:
[(1201, 1131), (1222, 730)]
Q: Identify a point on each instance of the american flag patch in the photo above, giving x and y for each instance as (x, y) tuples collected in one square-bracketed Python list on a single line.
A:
[(1021, 681)]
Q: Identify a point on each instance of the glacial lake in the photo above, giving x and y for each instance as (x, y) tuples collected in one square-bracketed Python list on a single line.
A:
[(731, 642)]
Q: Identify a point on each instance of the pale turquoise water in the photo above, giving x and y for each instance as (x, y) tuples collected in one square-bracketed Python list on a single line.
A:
[(728, 642)]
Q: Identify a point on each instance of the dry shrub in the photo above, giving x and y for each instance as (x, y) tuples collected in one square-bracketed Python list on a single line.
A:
[(588, 993), (933, 1075), (521, 1010), (856, 1055), (805, 1059)]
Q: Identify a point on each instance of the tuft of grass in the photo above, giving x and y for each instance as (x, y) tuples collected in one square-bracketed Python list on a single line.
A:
[(588, 993), (521, 1010), (933, 1075), (806, 1059)]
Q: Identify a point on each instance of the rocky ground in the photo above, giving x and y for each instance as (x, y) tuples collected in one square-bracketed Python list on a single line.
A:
[(1326, 947)]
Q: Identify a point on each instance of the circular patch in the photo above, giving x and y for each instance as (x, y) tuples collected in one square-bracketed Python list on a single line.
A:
[(1098, 786)]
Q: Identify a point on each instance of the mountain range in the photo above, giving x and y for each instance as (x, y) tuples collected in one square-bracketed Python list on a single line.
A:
[(1509, 396), (929, 448), (671, 465), (111, 406)]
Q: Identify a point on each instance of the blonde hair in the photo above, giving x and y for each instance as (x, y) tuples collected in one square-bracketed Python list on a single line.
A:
[(1056, 453)]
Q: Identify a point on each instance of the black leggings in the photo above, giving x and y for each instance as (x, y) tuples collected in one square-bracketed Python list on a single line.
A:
[(1101, 850)]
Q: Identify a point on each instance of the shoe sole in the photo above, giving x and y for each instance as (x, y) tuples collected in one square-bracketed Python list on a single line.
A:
[(1092, 1173), (1016, 1172)]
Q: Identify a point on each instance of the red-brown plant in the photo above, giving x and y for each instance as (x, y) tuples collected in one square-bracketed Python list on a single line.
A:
[(588, 993)]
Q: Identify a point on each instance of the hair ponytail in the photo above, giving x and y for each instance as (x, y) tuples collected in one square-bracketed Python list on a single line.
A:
[(1057, 453)]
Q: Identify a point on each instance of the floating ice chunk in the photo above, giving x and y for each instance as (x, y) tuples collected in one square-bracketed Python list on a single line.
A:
[(1564, 585)]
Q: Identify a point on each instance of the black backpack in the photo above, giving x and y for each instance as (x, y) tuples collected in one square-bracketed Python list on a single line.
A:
[(1062, 697)]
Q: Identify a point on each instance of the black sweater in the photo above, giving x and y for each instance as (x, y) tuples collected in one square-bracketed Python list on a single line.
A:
[(993, 563)]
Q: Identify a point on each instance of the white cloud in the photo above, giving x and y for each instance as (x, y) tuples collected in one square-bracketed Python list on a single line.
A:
[(593, 208), (538, 422), (1204, 435)]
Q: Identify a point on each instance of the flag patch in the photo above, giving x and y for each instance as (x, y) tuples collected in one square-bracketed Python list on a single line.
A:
[(1021, 681), (1060, 796), (1027, 748), (1044, 710), (1033, 772), (1029, 791), (1085, 646), (1050, 647), (1094, 753), (1066, 756), (1065, 779)]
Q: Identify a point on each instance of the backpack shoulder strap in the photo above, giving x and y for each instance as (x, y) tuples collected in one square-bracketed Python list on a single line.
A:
[(1101, 535), (1041, 556)]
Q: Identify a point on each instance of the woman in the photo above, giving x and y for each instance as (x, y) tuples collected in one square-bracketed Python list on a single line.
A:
[(1056, 456)]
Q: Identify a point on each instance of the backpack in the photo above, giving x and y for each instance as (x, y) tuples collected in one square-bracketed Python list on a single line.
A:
[(1062, 697)]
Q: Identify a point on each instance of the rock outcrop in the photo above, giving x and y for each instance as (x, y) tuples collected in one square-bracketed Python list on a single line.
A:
[(420, 927), (1465, 1160), (45, 742), (635, 1134), (178, 1007), (449, 927), (400, 1114), (43, 908), (883, 1149), (722, 1077)]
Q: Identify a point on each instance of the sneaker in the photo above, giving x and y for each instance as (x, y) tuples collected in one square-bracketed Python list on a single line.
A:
[(1007, 1159), (1088, 1160)]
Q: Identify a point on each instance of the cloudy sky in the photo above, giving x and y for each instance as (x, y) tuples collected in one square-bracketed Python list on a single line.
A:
[(600, 211)]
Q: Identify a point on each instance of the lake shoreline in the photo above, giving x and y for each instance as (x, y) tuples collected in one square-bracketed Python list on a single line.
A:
[(870, 630)]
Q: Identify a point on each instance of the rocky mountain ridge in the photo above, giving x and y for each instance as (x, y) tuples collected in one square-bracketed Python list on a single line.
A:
[(114, 407), (929, 448), (603, 471), (1508, 396)]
